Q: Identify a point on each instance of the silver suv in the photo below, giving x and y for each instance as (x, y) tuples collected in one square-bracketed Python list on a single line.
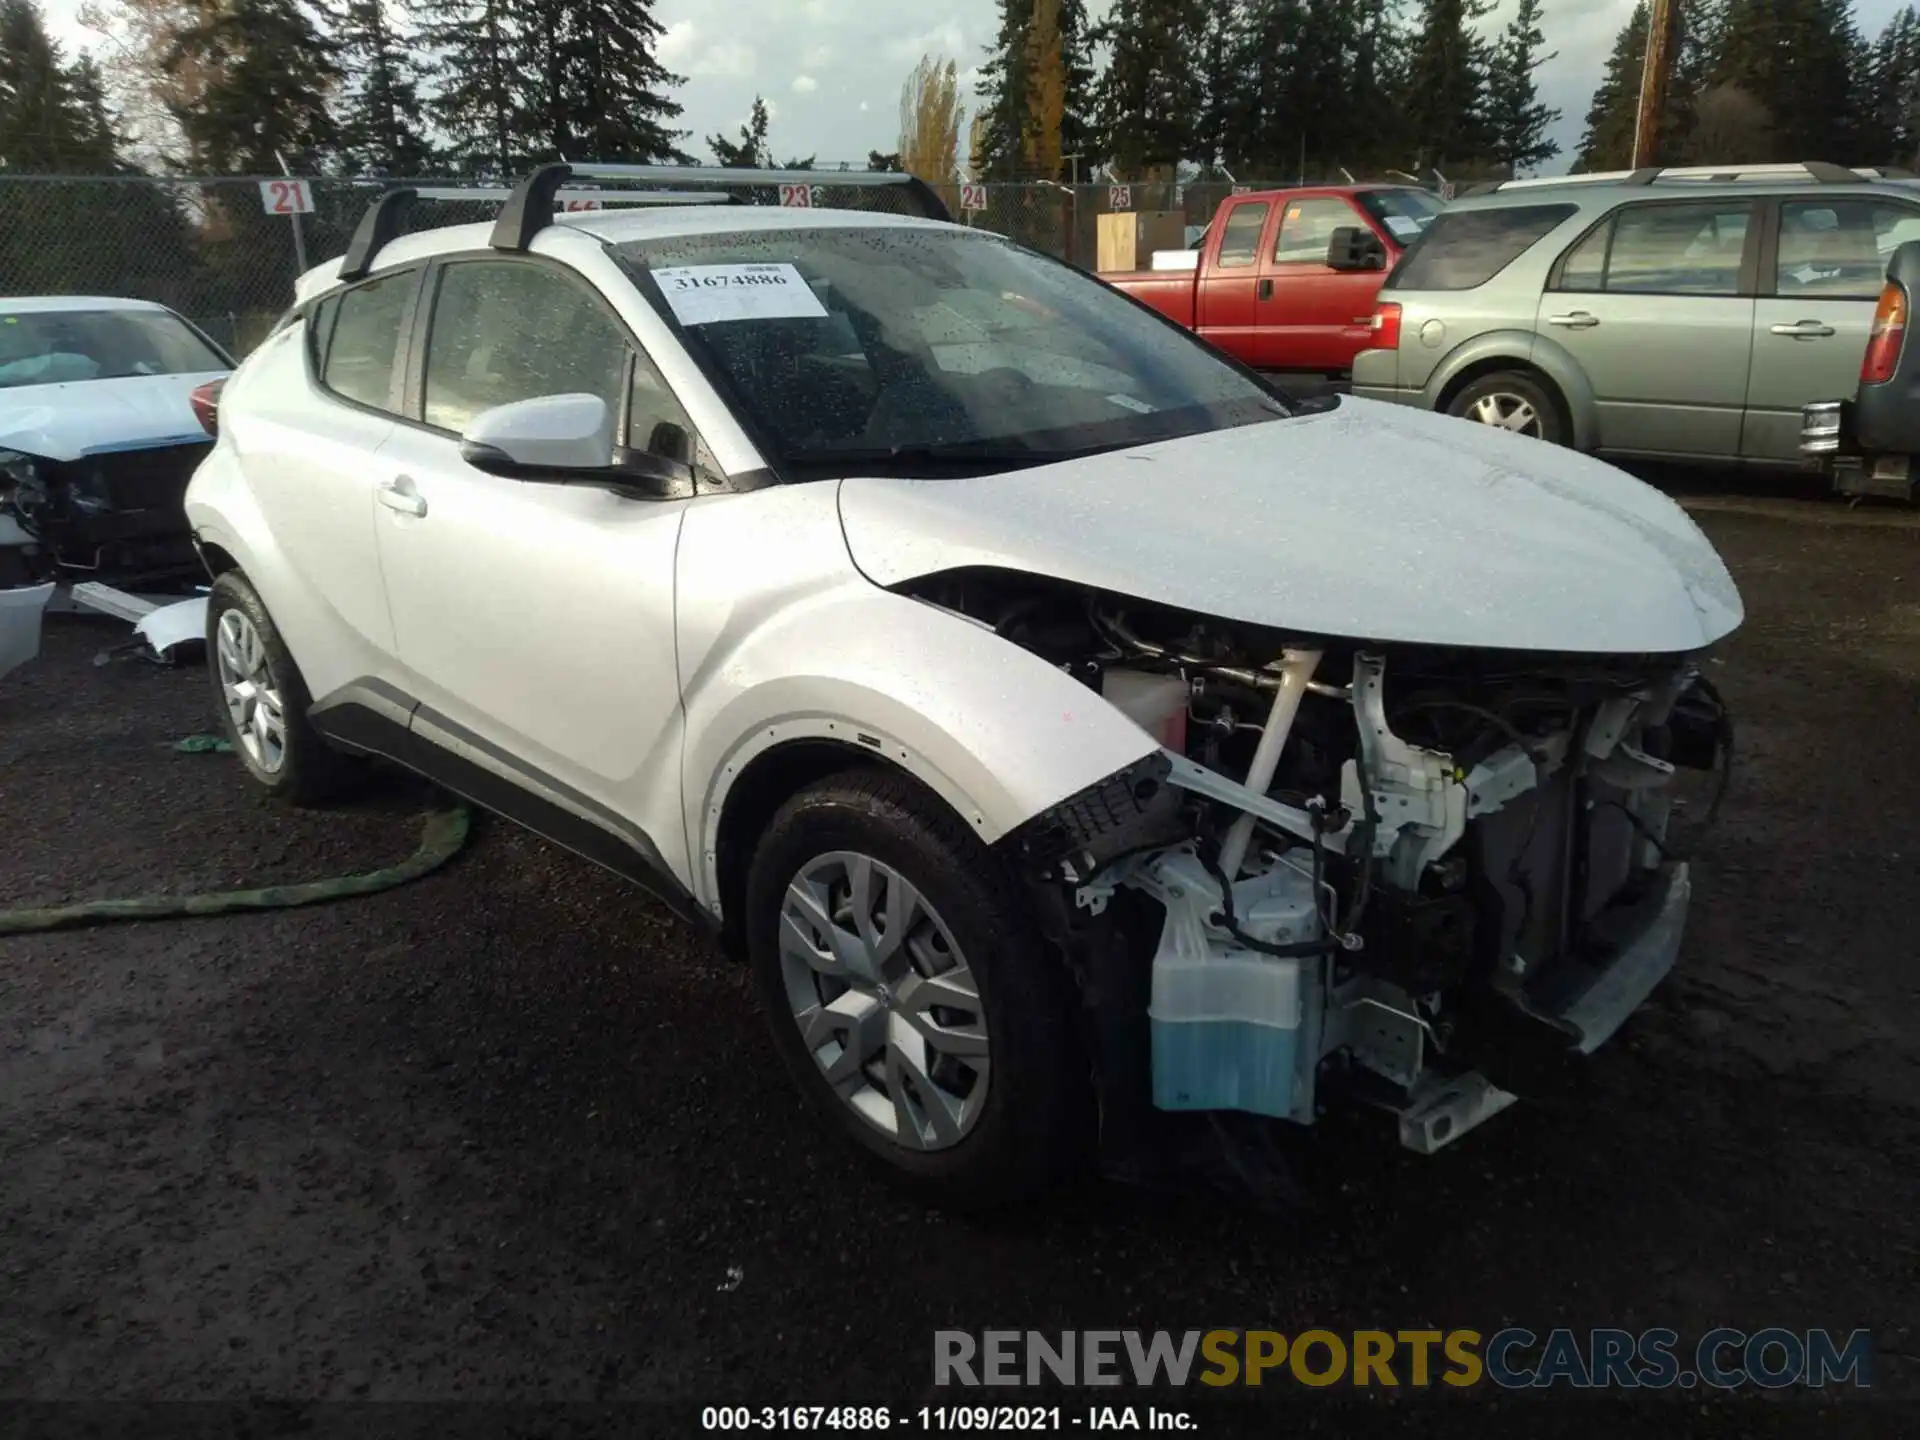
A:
[(1679, 314)]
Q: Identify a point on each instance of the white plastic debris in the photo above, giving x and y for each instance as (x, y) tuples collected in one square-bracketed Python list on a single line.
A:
[(172, 625), (735, 1275), (20, 613)]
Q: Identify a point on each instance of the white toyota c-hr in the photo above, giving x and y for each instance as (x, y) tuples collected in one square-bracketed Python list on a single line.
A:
[(1068, 730)]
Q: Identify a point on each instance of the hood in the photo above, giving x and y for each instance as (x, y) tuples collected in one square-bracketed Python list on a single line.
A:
[(1369, 521), (92, 417)]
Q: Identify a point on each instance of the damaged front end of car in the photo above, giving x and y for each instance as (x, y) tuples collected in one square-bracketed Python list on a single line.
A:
[(116, 516), (1427, 879)]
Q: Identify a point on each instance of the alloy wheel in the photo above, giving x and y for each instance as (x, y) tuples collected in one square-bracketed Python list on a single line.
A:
[(885, 1001), (1508, 412), (247, 684)]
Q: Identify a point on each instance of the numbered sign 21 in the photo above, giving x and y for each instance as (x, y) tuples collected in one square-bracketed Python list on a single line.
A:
[(286, 197), (973, 197), (1120, 197), (801, 195)]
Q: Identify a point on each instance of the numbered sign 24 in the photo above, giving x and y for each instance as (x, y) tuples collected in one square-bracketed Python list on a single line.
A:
[(286, 197), (973, 197), (1120, 197), (801, 195)]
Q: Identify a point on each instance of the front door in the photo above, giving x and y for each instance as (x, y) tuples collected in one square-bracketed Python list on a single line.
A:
[(1656, 308), (537, 618), (1810, 331), (1314, 318), (1227, 311)]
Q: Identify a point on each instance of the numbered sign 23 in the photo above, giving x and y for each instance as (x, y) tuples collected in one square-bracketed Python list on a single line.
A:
[(286, 197), (1120, 197), (973, 197), (801, 195)]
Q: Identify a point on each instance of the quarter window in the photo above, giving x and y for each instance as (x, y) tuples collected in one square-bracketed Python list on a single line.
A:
[(365, 339), (1306, 228), (1839, 249), (1463, 249), (1240, 241)]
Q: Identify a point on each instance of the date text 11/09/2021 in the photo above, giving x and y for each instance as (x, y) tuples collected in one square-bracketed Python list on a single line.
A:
[(935, 1419)]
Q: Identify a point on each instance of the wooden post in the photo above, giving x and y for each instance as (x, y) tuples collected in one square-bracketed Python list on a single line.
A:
[(1654, 71)]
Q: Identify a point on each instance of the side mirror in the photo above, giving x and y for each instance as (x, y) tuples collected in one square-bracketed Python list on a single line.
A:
[(550, 437), (1355, 247)]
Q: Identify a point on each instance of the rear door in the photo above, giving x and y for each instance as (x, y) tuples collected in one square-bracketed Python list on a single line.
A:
[(1225, 312), (1314, 318), (1656, 307), (1823, 267), (312, 457)]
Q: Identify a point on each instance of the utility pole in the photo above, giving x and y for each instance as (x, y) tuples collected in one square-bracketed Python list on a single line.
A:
[(1654, 73)]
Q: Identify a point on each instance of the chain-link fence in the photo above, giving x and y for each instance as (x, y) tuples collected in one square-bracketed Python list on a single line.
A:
[(210, 249)]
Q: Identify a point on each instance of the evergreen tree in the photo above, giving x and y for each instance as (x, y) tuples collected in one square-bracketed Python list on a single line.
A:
[(1517, 122), (1028, 77), (381, 126), (269, 74), (1892, 121), (619, 87), (1254, 98), (1447, 83), (750, 150), (1143, 103), (1794, 57), (39, 120), (478, 85), (1607, 143)]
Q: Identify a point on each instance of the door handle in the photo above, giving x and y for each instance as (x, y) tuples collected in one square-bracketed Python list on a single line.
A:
[(1804, 330), (399, 494), (1578, 320), (1265, 289)]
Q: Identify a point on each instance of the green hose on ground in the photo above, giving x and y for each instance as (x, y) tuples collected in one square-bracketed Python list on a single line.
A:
[(442, 833)]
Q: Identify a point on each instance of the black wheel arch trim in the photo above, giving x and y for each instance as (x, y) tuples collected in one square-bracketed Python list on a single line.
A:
[(371, 717)]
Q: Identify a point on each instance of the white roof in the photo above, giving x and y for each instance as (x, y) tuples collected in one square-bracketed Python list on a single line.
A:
[(624, 225), (39, 304)]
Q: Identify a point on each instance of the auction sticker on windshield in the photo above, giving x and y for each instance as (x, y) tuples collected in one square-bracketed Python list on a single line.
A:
[(706, 294)]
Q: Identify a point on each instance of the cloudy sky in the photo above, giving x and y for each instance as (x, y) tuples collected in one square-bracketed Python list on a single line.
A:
[(831, 69)]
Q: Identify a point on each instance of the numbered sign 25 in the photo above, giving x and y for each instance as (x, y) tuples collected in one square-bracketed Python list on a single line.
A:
[(973, 197), (1120, 197), (286, 197), (801, 195)]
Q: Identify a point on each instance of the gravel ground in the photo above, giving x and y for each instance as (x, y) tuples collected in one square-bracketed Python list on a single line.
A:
[(514, 1134)]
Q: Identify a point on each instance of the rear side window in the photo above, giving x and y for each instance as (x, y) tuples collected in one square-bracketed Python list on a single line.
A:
[(1839, 249), (359, 354), (1465, 248), (1240, 241)]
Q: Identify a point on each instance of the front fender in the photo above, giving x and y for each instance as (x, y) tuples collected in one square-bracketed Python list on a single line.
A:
[(1525, 348), (808, 649)]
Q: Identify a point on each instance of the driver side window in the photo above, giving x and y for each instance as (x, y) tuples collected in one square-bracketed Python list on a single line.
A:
[(507, 330)]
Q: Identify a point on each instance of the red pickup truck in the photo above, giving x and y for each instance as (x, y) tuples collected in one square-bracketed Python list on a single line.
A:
[(1285, 279)]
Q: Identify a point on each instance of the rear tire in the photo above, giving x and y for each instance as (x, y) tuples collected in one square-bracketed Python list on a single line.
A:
[(263, 701), (948, 1053), (1512, 400)]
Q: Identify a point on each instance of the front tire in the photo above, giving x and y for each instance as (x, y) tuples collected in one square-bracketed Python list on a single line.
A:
[(263, 701), (1512, 400), (911, 996)]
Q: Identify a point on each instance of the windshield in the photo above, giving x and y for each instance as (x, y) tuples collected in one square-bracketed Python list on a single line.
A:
[(1405, 213), (936, 349), (51, 347)]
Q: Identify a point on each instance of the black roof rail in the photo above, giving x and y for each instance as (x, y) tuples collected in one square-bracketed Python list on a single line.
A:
[(1645, 175), (1828, 173), (1895, 172), (377, 228), (1483, 187), (529, 210)]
